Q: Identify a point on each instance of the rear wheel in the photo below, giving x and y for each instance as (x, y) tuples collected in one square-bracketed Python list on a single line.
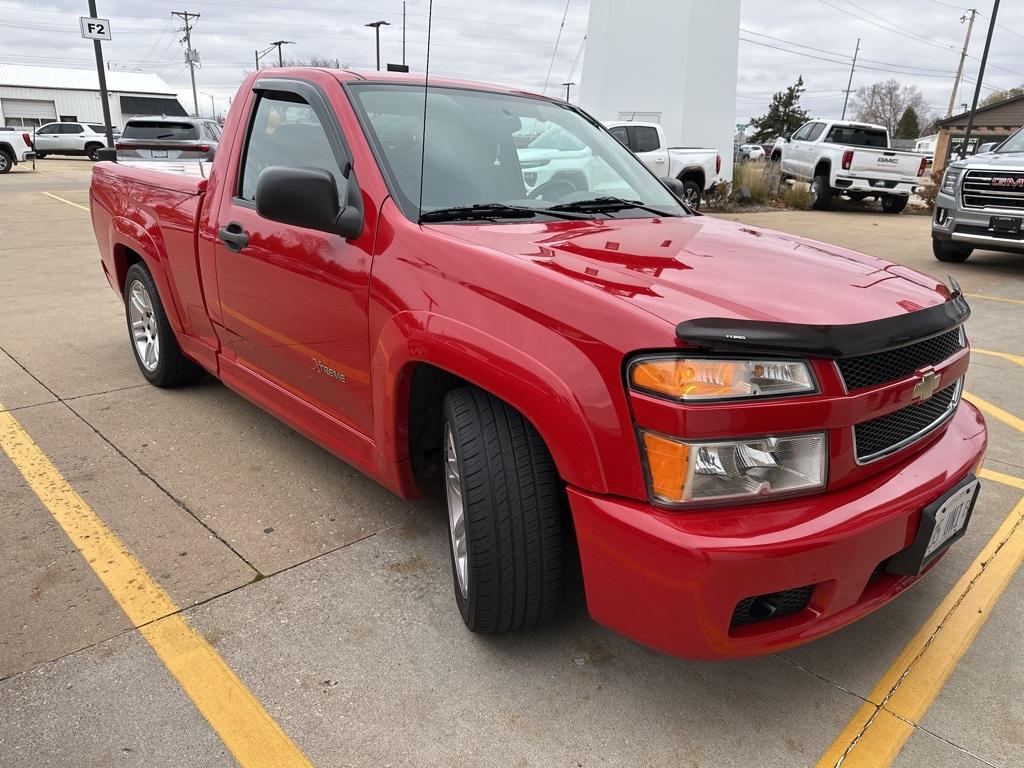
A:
[(821, 193), (40, 155), (894, 203), (92, 151), (157, 353), (950, 252), (6, 162), (504, 514), (691, 194)]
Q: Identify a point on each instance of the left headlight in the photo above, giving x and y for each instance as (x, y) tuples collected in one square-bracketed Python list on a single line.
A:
[(688, 378), (680, 472)]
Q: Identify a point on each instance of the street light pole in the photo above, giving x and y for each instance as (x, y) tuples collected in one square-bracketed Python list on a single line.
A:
[(376, 27), (567, 87), (98, 49), (279, 43)]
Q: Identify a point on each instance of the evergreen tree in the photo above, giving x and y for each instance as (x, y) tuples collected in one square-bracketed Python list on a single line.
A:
[(784, 115), (909, 126)]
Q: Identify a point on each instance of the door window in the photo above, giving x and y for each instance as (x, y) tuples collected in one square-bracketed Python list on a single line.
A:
[(70, 128), (645, 138), (619, 132), (285, 130), (48, 129), (815, 132), (801, 134)]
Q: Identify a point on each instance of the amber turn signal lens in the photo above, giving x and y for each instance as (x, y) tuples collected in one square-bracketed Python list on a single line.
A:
[(667, 463), (694, 378)]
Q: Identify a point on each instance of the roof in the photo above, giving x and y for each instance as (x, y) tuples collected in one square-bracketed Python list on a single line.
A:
[(953, 119), (25, 76)]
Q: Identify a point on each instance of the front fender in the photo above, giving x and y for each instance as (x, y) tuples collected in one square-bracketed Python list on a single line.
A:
[(533, 388)]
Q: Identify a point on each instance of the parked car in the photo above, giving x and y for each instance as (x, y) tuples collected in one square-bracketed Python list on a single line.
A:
[(752, 153), (696, 168), (749, 438), (73, 139), (557, 154), (168, 138), (15, 147), (854, 159), (980, 203)]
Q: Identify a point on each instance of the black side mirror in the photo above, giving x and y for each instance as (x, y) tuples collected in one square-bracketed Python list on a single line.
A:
[(106, 153), (675, 186), (308, 198)]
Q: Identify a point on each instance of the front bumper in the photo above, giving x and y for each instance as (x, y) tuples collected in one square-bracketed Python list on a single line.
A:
[(671, 580), (971, 227)]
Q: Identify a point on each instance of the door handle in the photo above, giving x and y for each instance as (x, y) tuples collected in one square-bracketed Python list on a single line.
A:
[(234, 237)]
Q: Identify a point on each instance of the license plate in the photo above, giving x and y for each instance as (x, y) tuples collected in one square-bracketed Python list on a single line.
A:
[(1009, 225), (161, 153), (942, 522)]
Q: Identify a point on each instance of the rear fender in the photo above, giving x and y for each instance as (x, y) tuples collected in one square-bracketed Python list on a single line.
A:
[(536, 391)]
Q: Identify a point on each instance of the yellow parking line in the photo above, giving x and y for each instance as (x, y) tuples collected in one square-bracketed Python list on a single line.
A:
[(995, 298), (996, 412), (1018, 359), (245, 727), (63, 200), (999, 477), (881, 726)]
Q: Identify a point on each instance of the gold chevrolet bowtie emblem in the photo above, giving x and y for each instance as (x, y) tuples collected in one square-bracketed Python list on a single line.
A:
[(926, 387)]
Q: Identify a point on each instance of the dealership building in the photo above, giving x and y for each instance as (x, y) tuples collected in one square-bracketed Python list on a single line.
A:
[(31, 96)]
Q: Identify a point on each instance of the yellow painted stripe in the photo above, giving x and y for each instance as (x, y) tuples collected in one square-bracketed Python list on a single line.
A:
[(881, 726), (999, 477), (245, 727), (995, 298), (996, 412), (1018, 359), (64, 200)]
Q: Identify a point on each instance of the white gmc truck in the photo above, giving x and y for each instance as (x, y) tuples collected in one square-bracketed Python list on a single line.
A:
[(15, 147), (696, 167), (839, 157)]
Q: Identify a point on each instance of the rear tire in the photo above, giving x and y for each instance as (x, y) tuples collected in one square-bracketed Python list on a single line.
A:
[(504, 513), (6, 162), (895, 203), (691, 194), (950, 252), (40, 155), (156, 350), (91, 151), (821, 193)]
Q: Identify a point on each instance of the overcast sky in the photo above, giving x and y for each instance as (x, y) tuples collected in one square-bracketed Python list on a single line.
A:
[(514, 42)]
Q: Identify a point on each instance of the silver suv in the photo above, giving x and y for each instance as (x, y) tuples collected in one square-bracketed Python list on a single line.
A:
[(981, 203), (168, 138)]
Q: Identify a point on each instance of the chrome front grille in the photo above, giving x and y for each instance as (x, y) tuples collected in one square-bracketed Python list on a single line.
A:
[(993, 189)]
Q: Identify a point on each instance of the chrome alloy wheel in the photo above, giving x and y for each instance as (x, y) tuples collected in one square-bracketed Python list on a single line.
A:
[(691, 197), (143, 325), (456, 512)]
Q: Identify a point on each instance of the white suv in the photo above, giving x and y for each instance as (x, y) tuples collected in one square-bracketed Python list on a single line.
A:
[(71, 139)]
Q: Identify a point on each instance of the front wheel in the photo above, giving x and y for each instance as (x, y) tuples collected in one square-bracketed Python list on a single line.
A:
[(504, 514), (821, 193), (894, 203), (950, 252), (691, 194), (157, 353)]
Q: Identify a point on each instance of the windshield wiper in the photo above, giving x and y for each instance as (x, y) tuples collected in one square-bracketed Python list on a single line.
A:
[(493, 211), (606, 203)]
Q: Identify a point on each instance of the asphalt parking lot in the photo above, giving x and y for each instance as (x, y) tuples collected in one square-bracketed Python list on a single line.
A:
[(169, 553)]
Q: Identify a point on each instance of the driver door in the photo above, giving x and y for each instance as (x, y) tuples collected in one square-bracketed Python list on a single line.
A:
[(294, 300)]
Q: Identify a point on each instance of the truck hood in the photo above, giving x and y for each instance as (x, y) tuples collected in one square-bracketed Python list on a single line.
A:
[(696, 267), (1008, 160)]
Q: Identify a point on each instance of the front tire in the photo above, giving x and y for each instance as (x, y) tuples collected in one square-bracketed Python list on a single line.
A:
[(157, 353), (950, 252), (895, 203), (505, 506), (821, 193)]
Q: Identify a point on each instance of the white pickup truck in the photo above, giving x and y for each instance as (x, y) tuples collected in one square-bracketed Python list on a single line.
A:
[(697, 168), (853, 159), (15, 147)]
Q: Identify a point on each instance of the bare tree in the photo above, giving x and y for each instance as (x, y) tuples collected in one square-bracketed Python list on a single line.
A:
[(885, 102)]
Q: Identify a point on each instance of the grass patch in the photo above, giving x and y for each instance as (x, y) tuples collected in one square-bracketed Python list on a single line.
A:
[(751, 176), (797, 195)]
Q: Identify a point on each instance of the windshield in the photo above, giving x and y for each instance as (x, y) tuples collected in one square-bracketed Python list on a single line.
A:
[(481, 151), (1013, 144), (857, 137)]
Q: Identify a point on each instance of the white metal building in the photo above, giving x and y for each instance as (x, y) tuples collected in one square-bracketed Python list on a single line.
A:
[(32, 96), (671, 62)]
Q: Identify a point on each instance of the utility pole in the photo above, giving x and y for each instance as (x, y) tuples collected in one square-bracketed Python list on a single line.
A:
[(849, 83), (963, 55), (981, 75), (98, 49), (376, 28), (190, 55), (567, 87)]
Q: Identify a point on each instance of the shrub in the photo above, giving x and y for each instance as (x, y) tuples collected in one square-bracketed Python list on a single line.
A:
[(751, 176), (930, 190), (797, 195), (719, 196)]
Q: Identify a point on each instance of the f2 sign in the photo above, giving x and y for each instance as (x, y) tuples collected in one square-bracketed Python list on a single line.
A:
[(95, 29)]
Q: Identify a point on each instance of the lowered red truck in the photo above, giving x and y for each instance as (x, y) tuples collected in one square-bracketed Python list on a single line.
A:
[(751, 439)]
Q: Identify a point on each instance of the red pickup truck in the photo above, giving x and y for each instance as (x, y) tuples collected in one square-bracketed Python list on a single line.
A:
[(750, 439)]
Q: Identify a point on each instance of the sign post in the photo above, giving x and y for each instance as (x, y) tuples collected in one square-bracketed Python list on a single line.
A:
[(96, 30)]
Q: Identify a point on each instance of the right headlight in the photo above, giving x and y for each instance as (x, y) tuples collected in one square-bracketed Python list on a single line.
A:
[(681, 472), (949, 180)]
